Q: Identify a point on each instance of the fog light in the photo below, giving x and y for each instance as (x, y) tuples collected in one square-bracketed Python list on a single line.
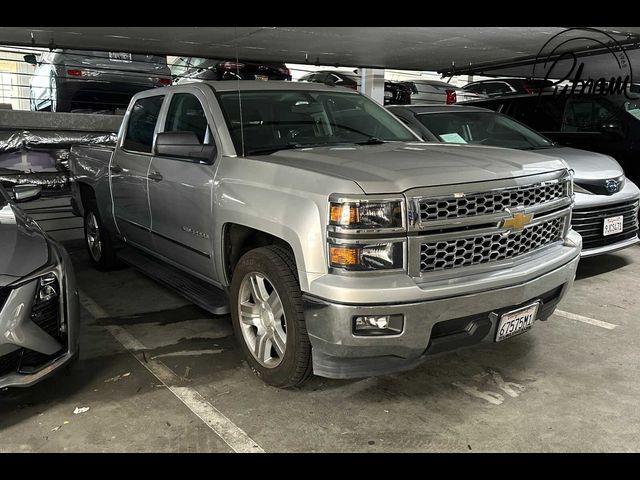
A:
[(378, 325)]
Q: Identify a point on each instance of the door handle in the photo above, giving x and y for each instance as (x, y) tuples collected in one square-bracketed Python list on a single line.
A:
[(115, 168), (155, 176)]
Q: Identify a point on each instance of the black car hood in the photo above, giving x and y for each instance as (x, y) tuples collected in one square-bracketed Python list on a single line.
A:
[(23, 246)]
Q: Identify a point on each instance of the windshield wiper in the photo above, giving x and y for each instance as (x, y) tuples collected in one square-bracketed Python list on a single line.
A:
[(371, 141), (268, 150)]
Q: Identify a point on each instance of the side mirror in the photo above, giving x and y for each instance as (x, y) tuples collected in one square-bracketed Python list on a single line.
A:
[(31, 59), (26, 192), (184, 145), (613, 127)]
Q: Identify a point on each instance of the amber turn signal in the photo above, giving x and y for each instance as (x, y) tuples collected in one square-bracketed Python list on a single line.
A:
[(343, 214), (343, 256)]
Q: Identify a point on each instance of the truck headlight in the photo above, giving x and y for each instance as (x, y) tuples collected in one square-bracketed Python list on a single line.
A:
[(367, 214), (367, 257)]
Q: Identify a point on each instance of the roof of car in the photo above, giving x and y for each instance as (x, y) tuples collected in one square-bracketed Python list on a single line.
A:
[(253, 85), (439, 108)]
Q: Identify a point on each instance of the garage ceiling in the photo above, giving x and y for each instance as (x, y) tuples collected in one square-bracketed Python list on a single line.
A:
[(410, 48)]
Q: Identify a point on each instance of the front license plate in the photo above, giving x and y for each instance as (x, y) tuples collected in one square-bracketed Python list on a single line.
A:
[(516, 322), (120, 57), (262, 77), (612, 225)]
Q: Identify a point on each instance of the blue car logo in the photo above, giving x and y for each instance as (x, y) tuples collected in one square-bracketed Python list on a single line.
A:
[(612, 186)]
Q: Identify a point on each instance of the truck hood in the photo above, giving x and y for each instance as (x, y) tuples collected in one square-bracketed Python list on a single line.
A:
[(399, 166), (24, 246), (587, 165)]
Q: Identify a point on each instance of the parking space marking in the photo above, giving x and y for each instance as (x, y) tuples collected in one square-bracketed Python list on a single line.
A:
[(228, 431), (591, 321)]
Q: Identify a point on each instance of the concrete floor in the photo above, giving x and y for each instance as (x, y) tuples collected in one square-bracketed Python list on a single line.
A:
[(564, 386)]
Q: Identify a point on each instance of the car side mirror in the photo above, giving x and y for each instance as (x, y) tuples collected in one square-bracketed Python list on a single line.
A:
[(26, 193), (184, 145), (31, 59), (613, 127)]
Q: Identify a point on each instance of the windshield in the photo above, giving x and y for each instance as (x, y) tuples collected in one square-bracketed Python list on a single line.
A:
[(279, 119), (483, 128)]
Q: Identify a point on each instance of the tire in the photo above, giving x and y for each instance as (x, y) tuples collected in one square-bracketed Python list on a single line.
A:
[(100, 244), (263, 325)]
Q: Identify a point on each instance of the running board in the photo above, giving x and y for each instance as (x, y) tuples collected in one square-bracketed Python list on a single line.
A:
[(204, 295)]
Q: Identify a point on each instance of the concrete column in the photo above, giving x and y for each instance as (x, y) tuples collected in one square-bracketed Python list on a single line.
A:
[(372, 83)]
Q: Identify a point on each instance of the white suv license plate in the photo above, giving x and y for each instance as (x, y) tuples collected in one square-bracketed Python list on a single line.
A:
[(612, 225), (516, 322), (120, 57)]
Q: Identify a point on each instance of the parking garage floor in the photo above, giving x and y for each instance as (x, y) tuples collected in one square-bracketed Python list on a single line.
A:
[(158, 374)]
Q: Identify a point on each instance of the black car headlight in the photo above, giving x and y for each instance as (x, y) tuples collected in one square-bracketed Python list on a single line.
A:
[(376, 215)]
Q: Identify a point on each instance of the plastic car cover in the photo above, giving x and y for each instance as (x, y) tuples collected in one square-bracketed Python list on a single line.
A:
[(56, 143), (48, 180), (15, 140)]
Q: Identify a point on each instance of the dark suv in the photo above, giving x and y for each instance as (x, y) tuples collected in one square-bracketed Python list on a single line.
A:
[(604, 124), (395, 93), (194, 68), (507, 86)]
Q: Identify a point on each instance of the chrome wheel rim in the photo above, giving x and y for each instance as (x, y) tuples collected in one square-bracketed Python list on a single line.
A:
[(93, 237), (262, 319)]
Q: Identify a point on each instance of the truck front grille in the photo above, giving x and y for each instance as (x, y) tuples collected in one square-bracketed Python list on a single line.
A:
[(490, 202), (489, 226), (589, 222), (475, 250)]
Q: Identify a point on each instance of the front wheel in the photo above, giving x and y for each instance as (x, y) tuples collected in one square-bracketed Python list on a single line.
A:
[(268, 316)]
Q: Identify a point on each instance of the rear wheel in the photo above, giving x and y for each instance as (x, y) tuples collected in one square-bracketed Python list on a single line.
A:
[(268, 316), (100, 243)]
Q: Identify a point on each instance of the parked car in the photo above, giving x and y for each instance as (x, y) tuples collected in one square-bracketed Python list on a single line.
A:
[(194, 68), (429, 92), (38, 298), (75, 79), (341, 244), (395, 93), (606, 209), (605, 124), (507, 86)]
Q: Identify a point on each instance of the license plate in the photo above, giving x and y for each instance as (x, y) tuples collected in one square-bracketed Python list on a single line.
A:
[(612, 225), (262, 77), (516, 322), (120, 57)]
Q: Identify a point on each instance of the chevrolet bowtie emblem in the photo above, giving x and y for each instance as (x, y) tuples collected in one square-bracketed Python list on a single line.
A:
[(517, 222)]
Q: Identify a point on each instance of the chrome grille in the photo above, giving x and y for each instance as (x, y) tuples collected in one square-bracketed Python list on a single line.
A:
[(589, 222), (474, 250), (446, 208)]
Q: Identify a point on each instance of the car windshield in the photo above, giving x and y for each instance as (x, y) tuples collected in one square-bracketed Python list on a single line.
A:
[(482, 128), (281, 119)]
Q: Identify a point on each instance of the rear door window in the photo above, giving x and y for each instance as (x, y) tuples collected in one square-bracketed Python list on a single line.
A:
[(586, 115), (142, 124)]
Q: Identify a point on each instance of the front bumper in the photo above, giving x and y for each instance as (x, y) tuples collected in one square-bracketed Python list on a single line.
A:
[(588, 219), (430, 326), (31, 352)]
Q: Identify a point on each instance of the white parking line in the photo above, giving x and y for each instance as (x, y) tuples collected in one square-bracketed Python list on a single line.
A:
[(580, 318), (228, 431)]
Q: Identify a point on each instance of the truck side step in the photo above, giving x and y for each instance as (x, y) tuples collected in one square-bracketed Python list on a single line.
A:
[(204, 295)]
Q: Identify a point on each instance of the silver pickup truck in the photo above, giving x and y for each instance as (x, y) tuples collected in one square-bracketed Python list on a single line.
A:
[(340, 243)]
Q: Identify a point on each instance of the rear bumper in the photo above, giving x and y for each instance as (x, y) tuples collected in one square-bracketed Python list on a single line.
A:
[(430, 327), (101, 93)]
